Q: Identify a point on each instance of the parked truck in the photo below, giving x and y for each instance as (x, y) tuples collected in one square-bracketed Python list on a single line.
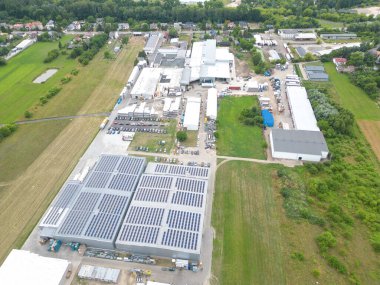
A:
[(234, 88), (104, 123)]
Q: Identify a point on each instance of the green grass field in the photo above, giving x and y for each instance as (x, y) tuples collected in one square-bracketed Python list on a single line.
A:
[(236, 139), (18, 93), (247, 247), (352, 97), (330, 24)]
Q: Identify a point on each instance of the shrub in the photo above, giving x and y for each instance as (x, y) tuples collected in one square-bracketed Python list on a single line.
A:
[(7, 130), (298, 256), (335, 263), (325, 241), (28, 114), (43, 100), (65, 79), (181, 136), (316, 273), (53, 54), (3, 61), (74, 72), (375, 241)]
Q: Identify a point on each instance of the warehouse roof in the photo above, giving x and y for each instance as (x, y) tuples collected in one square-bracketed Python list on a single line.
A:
[(23, 267), (191, 120), (95, 210), (212, 103), (300, 107), (147, 82), (350, 35), (167, 211), (186, 74), (315, 68), (299, 141), (317, 75)]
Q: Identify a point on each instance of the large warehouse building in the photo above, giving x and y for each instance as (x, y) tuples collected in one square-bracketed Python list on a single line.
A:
[(212, 104), (146, 84), (91, 212), (191, 120), (23, 267), (166, 214), (300, 108), (209, 63), (298, 145)]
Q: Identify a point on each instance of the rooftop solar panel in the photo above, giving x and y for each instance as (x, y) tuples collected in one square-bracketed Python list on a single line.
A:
[(107, 163)]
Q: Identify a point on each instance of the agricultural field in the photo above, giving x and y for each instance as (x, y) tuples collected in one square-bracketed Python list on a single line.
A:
[(17, 91), (28, 187), (151, 140), (236, 139), (371, 130), (247, 247)]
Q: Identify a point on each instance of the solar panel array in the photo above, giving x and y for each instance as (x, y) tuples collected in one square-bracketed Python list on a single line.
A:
[(96, 213), (178, 170), (167, 211), (57, 209)]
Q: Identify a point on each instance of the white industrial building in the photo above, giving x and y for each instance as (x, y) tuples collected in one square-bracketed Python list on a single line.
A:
[(171, 107), (23, 267), (146, 84), (252, 86), (98, 273), (192, 2), (273, 55), (300, 108), (298, 145), (212, 104), (135, 73), (166, 215), (297, 34), (169, 84), (209, 63), (152, 43), (191, 120)]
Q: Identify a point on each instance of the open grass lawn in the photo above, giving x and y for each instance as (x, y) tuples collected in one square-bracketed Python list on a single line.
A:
[(352, 97), (151, 140), (17, 91), (330, 24), (36, 175), (192, 138), (236, 139), (247, 246)]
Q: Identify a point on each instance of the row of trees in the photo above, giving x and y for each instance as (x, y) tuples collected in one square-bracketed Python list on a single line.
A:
[(251, 117)]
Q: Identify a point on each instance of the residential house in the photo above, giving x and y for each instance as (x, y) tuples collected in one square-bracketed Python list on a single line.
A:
[(50, 25), (338, 61), (37, 25), (243, 25), (189, 26), (231, 25), (153, 26), (177, 26), (18, 26)]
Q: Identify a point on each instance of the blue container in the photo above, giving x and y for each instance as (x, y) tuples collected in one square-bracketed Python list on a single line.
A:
[(268, 118)]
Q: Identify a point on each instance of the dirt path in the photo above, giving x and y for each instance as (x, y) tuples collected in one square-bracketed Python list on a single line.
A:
[(26, 199), (288, 163)]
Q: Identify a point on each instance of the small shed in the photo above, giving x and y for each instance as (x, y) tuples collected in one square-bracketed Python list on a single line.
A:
[(268, 118)]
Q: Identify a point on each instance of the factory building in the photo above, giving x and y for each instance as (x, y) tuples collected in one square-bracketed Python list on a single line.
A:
[(212, 104), (209, 63), (191, 120), (23, 267), (152, 43), (91, 212), (297, 34), (343, 36), (298, 145), (146, 84), (166, 214), (316, 73)]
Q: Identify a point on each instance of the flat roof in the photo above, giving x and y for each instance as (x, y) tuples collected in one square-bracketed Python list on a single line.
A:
[(193, 107), (146, 83), (299, 141), (300, 107), (23, 267), (152, 42), (315, 68), (212, 103), (167, 210), (91, 211)]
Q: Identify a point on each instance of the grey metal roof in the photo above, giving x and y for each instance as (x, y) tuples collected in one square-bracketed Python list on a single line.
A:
[(301, 51), (317, 75), (339, 35), (152, 42), (186, 74), (315, 68), (299, 141), (94, 212)]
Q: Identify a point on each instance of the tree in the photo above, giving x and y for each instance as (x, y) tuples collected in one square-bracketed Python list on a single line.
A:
[(181, 136), (125, 40), (107, 55), (3, 61), (309, 57), (60, 45), (357, 58), (256, 58), (173, 33)]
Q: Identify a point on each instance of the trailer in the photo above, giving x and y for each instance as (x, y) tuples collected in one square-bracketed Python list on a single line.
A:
[(104, 123), (234, 88)]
